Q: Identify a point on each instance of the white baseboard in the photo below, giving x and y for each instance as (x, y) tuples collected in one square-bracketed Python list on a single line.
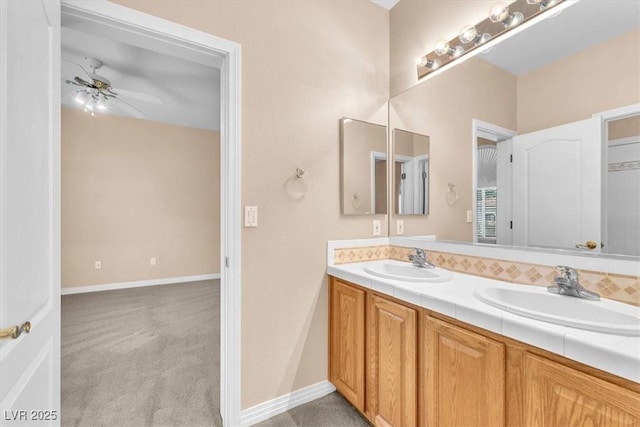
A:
[(270, 408), (137, 284)]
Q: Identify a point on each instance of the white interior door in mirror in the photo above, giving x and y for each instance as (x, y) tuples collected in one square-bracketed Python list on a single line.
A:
[(557, 186), (29, 211)]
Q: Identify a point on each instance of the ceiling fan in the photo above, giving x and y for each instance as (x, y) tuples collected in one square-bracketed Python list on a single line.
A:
[(97, 94)]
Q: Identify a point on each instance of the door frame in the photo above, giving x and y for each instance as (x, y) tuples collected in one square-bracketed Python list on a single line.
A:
[(228, 55), (498, 134), (375, 155), (605, 116)]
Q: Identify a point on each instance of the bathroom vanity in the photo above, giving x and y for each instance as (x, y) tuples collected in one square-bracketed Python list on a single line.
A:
[(431, 354)]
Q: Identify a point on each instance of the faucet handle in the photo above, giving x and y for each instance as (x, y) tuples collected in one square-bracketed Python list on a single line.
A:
[(419, 252), (566, 275)]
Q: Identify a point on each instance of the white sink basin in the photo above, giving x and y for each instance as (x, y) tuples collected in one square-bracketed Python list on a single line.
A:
[(602, 316), (407, 272)]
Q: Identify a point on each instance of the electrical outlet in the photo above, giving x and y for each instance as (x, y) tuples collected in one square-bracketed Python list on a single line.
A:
[(98, 265), (376, 227), (400, 226), (153, 261)]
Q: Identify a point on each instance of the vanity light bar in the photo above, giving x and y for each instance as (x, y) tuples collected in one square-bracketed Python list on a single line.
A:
[(502, 18)]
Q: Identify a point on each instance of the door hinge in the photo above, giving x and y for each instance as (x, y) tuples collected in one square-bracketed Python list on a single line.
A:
[(510, 158), (511, 225), (403, 176), (226, 261)]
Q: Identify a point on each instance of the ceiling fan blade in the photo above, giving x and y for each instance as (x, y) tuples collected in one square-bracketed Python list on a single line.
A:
[(78, 66), (81, 82), (137, 95), (128, 108)]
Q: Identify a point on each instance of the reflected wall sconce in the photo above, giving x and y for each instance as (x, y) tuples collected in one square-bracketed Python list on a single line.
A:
[(503, 17), (452, 194)]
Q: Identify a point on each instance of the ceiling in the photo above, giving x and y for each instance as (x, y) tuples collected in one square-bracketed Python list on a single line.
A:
[(387, 4), (187, 84), (583, 24)]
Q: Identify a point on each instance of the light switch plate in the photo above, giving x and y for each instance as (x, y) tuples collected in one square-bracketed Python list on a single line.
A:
[(400, 226), (250, 216), (376, 227), (469, 217)]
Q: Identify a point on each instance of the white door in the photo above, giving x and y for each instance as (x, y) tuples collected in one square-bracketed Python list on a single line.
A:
[(557, 185), (504, 184), (30, 211)]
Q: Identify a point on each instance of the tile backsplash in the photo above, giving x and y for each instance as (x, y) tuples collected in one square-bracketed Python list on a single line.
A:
[(617, 287)]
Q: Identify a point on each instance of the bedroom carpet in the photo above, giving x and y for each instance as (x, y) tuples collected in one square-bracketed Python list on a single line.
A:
[(142, 357)]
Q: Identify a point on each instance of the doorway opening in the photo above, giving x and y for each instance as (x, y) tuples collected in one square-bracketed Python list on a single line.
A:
[(174, 39), (491, 178)]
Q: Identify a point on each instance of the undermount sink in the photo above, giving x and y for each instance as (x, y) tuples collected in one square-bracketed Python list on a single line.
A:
[(602, 316), (407, 272)]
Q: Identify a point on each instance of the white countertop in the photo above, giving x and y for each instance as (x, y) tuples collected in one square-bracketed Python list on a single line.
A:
[(617, 354)]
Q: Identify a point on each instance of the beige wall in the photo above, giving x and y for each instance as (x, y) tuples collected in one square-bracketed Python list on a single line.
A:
[(624, 128), (443, 108), (603, 77), (135, 189), (305, 64), (416, 26)]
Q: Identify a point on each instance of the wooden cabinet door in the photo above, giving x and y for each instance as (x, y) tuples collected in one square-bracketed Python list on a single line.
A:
[(556, 395), (346, 341), (465, 377), (391, 363)]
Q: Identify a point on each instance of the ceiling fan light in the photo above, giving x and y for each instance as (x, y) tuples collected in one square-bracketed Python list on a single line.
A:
[(101, 104), (80, 97)]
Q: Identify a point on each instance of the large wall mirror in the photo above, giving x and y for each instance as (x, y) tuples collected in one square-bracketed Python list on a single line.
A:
[(514, 130), (363, 157)]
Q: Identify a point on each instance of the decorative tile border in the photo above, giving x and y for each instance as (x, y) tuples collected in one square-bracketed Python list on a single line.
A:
[(624, 166), (361, 254), (617, 287)]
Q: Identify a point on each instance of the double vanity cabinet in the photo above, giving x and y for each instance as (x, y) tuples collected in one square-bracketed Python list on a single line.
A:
[(403, 365)]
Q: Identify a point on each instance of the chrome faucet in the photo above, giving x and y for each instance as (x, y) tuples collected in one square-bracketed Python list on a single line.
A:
[(567, 284), (420, 259)]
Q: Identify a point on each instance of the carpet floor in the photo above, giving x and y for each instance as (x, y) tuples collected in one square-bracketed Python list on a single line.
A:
[(142, 357), (150, 357)]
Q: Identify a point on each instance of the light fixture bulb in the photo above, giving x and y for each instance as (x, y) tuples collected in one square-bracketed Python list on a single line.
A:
[(456, 51), (432, 64), (429, 63), (442, 47), (500, 13), (543, 3), (469, 34)]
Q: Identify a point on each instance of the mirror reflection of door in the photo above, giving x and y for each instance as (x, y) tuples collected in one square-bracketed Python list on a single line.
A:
[(557, 186), (411, 173), (622, 231)]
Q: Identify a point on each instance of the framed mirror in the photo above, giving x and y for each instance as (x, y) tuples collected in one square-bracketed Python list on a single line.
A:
[(363, 167), (483, 115), (410, 187)]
